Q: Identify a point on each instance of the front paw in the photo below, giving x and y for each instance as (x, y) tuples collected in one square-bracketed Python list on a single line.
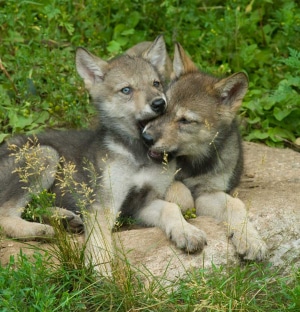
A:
[(188, 238), (74, 224), (71, 221), (249, 246)]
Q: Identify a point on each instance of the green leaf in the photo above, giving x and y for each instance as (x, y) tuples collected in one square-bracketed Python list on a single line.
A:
[(42, 117), (128, 32), (280, 113), (3, 136), (119, 28), (257, 135), (69, 27), (51, 12), (113, 47), (18, 122), (133, 19), (253, 121), (277, 134)]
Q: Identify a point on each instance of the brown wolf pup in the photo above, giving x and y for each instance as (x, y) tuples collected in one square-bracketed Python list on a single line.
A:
[(110, 163), (199, 129)]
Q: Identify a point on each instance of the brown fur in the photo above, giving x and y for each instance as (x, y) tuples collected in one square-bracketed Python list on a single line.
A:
[(199, 129)]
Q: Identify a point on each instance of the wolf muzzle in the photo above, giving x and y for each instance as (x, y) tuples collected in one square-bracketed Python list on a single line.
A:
[(154, 153)]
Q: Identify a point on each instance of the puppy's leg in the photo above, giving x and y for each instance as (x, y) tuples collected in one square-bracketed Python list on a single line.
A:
[(14, 194), (233, 213), (168, 217), (16, 227), (179, 194), (98, 233)]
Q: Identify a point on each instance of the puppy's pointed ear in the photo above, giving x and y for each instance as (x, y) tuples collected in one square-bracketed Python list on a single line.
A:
[(232, 90), (182, 64), (157, 54), (89, 67)]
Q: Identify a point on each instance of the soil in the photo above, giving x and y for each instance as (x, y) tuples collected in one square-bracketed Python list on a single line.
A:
[(270, 188)]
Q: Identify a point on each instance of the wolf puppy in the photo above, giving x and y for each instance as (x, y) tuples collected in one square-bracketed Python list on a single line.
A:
[(199, 130), (140, 48), (111, 162)]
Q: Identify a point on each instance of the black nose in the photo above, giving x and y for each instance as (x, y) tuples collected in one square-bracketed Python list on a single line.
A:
[(148, 139), (158, 105)]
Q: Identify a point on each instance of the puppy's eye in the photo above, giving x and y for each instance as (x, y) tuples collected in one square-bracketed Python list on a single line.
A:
[(184, 121), (126, 90), (156, 83)]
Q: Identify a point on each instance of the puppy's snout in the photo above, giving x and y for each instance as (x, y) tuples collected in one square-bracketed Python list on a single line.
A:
[(158, 105), (148, 139)]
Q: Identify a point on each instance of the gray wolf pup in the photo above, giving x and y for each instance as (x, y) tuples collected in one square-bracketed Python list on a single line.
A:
[(111, 162), (199, 129), (139, 50)]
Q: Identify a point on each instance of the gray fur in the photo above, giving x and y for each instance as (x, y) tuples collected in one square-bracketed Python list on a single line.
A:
[(111, 160)]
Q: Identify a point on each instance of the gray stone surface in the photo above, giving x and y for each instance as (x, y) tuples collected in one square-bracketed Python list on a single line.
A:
[(270, 188)]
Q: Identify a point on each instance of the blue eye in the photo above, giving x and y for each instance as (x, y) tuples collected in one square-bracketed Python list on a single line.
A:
[(126, 90)]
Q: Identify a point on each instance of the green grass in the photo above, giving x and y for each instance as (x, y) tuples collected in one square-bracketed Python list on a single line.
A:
[(37, 285), (58, 279)]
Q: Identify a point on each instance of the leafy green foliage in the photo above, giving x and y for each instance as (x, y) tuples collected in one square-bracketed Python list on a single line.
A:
[(39, 206), (275, 116), (39, 86)]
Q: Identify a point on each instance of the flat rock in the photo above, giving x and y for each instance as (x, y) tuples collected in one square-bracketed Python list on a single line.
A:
[(270, 188)]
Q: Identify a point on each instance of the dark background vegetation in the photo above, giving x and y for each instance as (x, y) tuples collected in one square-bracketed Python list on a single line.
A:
[(38, 40)]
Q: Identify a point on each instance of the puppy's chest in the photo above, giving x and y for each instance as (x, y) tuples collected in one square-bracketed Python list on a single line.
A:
[(124, 173)]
